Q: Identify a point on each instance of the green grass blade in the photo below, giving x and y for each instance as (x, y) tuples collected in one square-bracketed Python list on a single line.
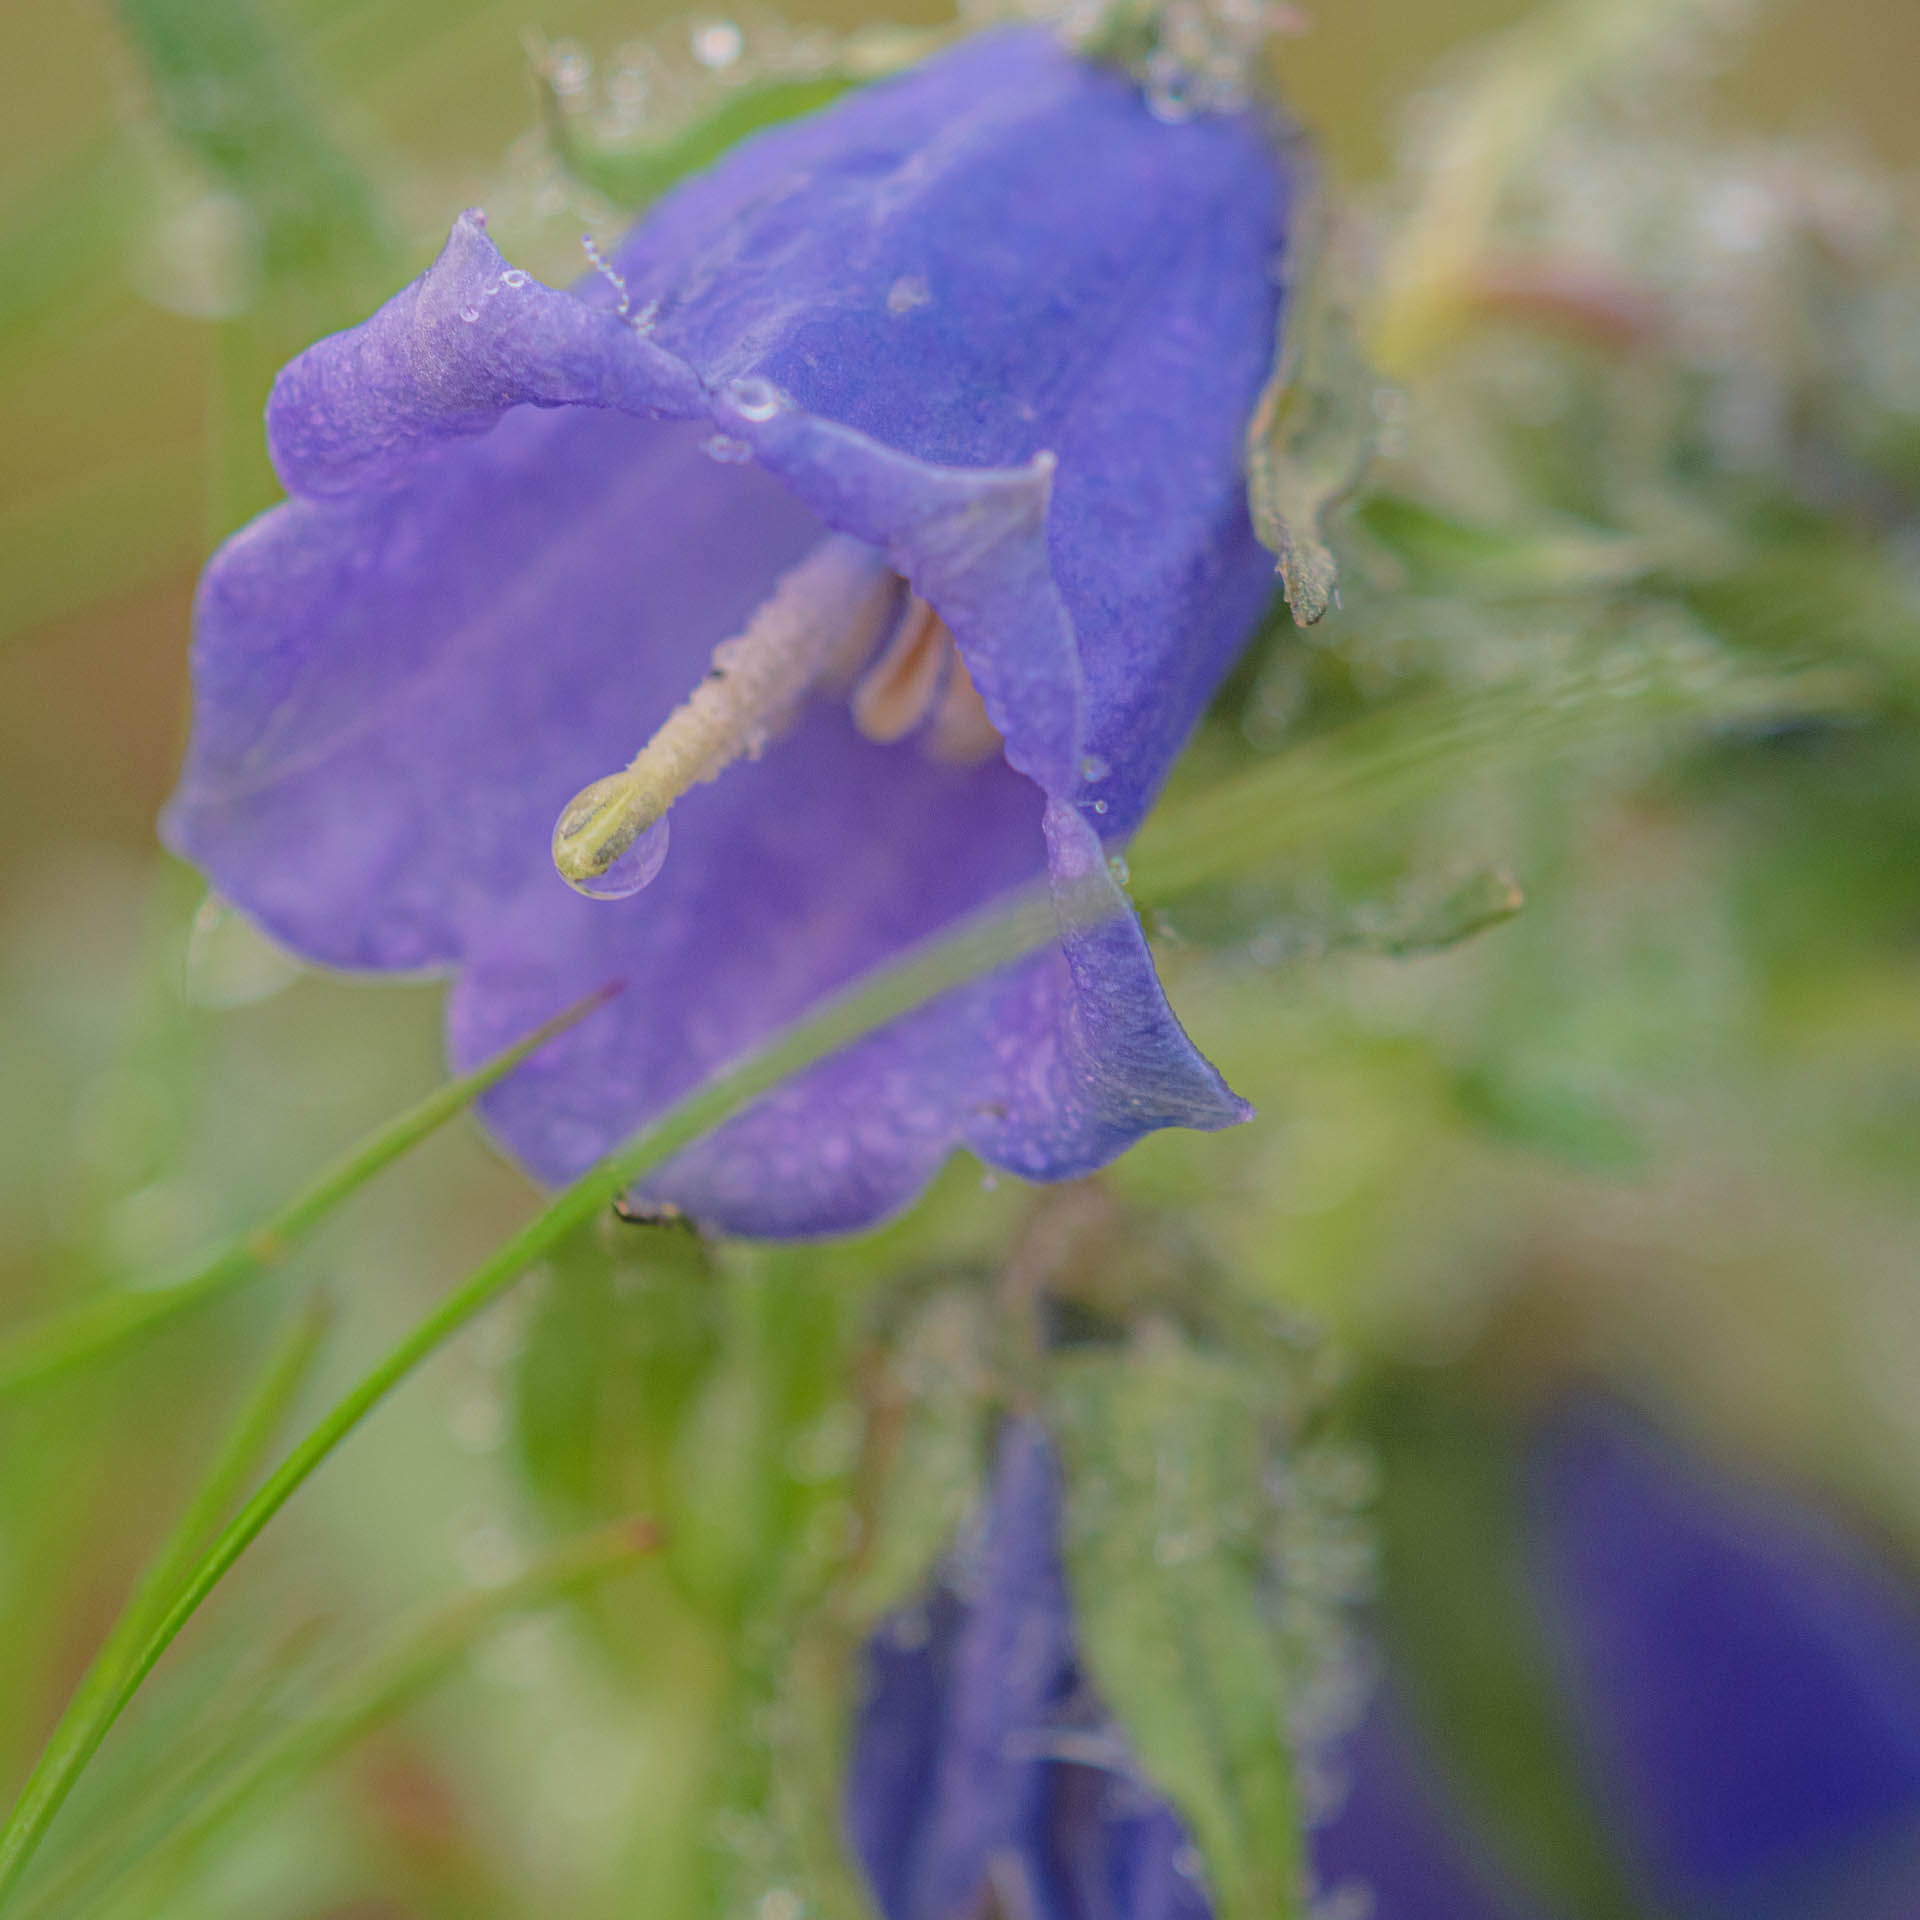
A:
[(1356, 775), (69, 1336), (97, 1701), (388, 1683)]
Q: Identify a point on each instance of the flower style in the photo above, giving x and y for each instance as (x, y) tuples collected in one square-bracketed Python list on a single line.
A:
[(909, 440), (1744, 1680)]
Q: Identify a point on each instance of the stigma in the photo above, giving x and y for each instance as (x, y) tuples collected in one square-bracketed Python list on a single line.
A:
[(841, 621)]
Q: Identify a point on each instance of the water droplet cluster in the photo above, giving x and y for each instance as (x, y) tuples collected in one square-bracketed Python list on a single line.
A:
[(651, 90)]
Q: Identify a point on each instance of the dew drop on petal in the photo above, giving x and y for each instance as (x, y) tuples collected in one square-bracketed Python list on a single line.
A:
[(754, 398), (717, 44), (727, 450), (515, 277), (1099, 806), (1093, 768), (469, 314), (906, 293)]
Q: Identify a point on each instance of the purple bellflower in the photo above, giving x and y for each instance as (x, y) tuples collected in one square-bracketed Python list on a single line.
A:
[(889, 480), (1744, 1682)]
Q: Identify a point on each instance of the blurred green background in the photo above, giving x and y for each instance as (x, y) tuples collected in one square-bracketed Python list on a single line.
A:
[(1663, 1128)]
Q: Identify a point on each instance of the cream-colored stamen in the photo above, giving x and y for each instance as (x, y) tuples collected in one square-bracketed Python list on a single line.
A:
[(961, 734), (898, 691), (921, 680), (836, 601)]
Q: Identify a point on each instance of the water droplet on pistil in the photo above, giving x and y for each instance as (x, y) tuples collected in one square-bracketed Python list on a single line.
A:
[(597, 854)]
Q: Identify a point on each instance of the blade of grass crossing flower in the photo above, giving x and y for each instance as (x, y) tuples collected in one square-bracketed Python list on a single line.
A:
[(388, 1683), (68, 1337), (97, 1701)]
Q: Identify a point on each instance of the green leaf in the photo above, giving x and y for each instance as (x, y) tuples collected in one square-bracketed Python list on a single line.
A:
[(1331, 787), (625, 1331), (230, 93), (927, 1446), (1554, 1105), (1332, 912), (311, 247), (632, 177), (631, 172), (1487, 897), (1820, 593), (1165, 1452)]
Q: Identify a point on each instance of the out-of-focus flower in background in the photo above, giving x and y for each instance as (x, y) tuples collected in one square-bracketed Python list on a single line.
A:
[(1739, 1678), (934, 403)]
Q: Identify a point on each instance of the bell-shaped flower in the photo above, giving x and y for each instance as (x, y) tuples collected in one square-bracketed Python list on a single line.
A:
[(885, 492)]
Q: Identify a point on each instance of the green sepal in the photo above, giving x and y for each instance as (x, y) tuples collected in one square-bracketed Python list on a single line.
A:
[(1315, 428), (1166, 1452)]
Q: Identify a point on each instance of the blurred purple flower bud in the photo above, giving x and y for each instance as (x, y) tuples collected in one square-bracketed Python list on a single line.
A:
[(986, 1777), (1748, 1679), (925, 412), (1743, 1680)]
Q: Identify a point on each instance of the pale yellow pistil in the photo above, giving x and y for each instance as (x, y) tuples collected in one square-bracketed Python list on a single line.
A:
[(818, 612)]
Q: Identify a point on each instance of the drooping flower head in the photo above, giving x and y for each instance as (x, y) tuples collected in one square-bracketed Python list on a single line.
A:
[(880, 513)]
